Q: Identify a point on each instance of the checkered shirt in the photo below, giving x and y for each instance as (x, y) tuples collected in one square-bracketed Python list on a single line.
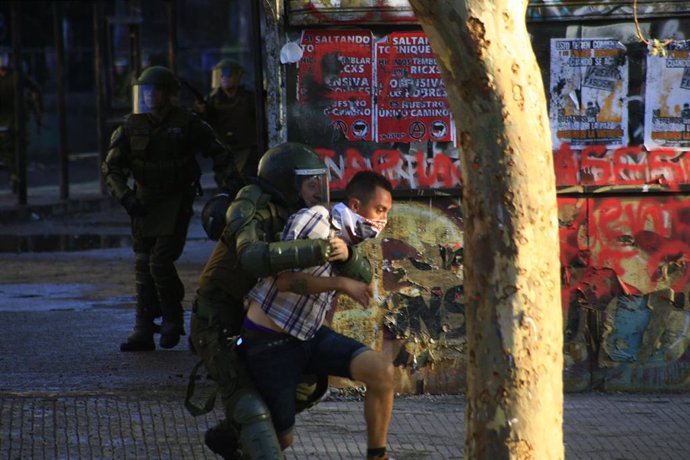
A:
[(299, 315)]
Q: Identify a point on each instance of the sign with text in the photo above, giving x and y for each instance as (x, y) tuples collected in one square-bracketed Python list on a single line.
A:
[(588, 90), (412, 101), (336, 72), (667, 98)]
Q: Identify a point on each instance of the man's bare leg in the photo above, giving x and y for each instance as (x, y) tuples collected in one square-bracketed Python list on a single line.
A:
[(376, 372)]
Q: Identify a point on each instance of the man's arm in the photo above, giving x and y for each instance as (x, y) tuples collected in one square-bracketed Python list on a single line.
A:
[(304, 284), (115, 166)]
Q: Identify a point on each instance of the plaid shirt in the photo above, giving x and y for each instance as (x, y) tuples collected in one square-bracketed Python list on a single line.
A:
[(299, 315)]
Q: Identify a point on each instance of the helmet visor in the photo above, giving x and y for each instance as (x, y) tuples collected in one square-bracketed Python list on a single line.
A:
[(147, 98), (313, 187), (225, 77)]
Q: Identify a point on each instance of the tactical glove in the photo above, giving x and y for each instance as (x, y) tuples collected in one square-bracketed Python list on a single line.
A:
[(132, 204)]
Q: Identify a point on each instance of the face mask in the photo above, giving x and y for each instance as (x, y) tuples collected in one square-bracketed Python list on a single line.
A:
[(352, 227), (378, 224)]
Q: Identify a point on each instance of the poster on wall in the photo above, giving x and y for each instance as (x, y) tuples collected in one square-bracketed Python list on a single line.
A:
[(412, 103), (588, 90), (667, 98), (336, 73)]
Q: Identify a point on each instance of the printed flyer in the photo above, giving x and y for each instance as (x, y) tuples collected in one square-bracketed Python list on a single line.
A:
[(667, 98), (336, 67), (588, 90), (412, 101)]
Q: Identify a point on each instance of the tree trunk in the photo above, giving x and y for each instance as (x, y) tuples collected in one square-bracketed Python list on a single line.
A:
[(512, 273)]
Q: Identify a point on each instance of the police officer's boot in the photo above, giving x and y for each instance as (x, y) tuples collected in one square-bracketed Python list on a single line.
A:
[(141, 338), (223, 440), (172, 327)]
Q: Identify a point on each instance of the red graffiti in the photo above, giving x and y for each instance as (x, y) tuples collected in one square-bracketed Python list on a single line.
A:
[(624, 232), (630, 165), (413, 170)]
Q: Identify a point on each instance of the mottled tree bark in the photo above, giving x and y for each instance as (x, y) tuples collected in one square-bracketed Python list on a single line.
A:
[(512, 284)]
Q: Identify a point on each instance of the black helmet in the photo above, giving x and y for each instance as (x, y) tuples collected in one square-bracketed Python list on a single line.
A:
[(159, 76), (226, 68), (283, 168), (213, 215), (153, 77)]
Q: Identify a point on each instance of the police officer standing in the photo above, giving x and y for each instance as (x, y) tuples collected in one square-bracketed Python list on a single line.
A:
[(8, 123), (157, 144), (230, 109)]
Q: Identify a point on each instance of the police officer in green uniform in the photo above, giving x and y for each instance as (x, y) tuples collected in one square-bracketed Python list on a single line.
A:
[(247, 249), (8, 124), (157, 144), (230, 109)]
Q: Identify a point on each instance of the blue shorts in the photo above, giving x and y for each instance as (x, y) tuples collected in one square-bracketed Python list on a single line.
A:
[(276, 361)]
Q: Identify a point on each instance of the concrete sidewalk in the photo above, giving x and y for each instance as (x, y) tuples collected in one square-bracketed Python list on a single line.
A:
[(154, 425)]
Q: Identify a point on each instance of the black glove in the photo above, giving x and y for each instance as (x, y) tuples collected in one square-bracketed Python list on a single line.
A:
[(132, 205)]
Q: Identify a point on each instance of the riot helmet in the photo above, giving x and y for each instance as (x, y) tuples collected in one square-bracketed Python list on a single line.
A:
[(227, 74), (295, 175), (213, 215), (154, 89)]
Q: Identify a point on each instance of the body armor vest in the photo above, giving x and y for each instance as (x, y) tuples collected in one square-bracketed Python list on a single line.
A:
[(161, 159)]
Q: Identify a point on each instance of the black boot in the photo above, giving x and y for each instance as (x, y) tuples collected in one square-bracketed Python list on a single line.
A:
[(141, 338), (223, 440), (170, 334)]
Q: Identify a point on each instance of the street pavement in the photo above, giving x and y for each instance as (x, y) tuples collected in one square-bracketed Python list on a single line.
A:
[(67, 392)]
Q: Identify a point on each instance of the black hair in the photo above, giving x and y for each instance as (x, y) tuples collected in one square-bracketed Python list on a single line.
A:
[(363, 185)]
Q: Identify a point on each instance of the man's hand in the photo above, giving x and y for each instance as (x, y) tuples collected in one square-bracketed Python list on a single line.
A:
[(132, 205), (359, 291), (339, 250)]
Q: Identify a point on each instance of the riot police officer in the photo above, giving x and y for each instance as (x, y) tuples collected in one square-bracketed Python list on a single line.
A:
[(157, 144), (230, 109), (8, 125), (247, 249)]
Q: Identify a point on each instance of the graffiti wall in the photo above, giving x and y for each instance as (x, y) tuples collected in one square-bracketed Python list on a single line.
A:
[(369, 96)]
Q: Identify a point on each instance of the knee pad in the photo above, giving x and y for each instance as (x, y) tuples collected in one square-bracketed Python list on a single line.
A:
[(249, 408), (257, 436)]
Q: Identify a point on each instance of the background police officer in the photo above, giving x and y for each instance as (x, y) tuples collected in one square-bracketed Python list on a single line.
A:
[(230, 109), (8, 124), (157, 144)]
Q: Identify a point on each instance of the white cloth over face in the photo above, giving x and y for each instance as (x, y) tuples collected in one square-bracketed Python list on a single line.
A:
[(352, 227)]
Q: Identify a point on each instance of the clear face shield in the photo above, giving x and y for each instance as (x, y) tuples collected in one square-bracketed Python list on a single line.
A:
[(313, 186), (225, 77), (148, 98), (5, 60)]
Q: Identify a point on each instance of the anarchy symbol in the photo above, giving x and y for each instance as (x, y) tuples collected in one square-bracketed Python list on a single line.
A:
[(417, 130)]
